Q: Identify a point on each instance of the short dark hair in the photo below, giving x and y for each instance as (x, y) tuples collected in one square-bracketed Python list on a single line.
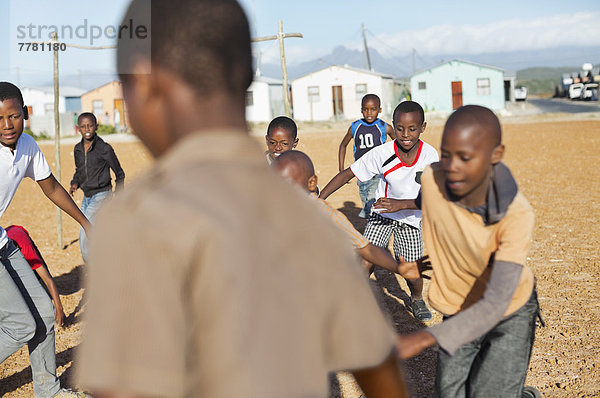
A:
[(408, 107), (89, 115), (10, 91), (372, 97), (205, 42), (284, 123)]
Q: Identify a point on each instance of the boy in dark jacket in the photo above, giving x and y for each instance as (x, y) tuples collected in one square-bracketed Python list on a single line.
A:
[(93, 160)]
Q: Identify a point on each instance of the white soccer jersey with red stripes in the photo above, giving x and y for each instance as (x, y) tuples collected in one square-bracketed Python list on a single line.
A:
[(398, 179)]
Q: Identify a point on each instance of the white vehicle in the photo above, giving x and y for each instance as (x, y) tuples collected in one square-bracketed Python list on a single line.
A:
[(575, 90), (590, 92), (520, 93)]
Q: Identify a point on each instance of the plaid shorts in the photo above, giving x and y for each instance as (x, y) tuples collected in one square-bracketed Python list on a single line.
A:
[(408, 240)]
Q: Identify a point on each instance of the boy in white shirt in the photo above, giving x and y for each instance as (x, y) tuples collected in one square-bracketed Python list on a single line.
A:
[(26, 311), (400, 163)]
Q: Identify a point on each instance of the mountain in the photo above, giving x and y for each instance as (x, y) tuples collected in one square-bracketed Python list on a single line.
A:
[(401, 66)]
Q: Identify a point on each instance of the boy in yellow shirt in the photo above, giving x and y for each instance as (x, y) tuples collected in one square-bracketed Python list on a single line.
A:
[(477, 227)]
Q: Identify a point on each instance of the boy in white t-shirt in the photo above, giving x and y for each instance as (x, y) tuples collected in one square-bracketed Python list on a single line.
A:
[(26, 311), (401, 163)]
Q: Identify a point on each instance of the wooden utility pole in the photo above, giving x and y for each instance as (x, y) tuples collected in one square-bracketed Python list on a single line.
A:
[(57, 137), (367, 57), (280, 36)]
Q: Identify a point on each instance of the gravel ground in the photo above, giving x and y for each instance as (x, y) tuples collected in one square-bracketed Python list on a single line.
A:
[(555, 161)]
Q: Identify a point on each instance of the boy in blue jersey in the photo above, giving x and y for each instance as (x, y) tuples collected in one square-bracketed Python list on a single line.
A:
[(367, 133)]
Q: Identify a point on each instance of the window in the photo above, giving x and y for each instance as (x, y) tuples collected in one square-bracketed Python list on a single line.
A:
[(98, 108), (483, 86), (249, 98), (361, 90), (422, 85), (313, 94)]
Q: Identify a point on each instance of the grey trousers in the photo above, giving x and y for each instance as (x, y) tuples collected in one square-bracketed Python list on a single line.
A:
[(494, 365), (27, 317)]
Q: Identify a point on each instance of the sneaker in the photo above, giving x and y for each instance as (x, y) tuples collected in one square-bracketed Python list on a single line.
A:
[(530, 392), (362, 214), (420, 310), (67, 393)]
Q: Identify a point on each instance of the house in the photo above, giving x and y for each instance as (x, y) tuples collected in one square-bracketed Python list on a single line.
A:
[(455, 83), (106, 102), (40, 100), (335, 93), (264, 99), (40, 105)]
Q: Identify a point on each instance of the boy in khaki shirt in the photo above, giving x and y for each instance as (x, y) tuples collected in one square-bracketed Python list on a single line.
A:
[(209, 277), (477, 228)]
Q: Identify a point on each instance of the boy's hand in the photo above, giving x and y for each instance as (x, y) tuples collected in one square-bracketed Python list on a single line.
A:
[(387, 205), (414, 269), (73, 189), (60, 315), (409, 345)]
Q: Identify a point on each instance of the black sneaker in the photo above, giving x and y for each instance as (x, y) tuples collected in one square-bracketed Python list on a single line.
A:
[(420, 310), (530, 392)]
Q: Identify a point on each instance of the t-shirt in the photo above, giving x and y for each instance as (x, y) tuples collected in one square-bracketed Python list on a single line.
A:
[(367, 136), (460, 246), (21, 238), (339, 219), (26, 161), (240, 290), (398, 179)]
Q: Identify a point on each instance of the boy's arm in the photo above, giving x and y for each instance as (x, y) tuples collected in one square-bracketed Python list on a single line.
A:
[(382, 258), (473, 322), (384, 380), (389, 130), (57, 195), (47, 279), (388, 205), (75, 180), (336, 182), (342, 149), (114, 164)]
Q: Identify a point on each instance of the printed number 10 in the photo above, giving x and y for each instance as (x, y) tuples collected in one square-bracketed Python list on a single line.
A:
[(366, 141)]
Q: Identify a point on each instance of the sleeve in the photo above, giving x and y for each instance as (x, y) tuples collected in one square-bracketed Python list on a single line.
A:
[(357, 239), (76, 180), (367, 166), (135, 301), (358, 334), (482, 316), (114, 164), (23, 241), (38, 168)]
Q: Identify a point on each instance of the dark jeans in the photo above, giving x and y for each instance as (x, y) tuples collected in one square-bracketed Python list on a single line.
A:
[(494, 365)]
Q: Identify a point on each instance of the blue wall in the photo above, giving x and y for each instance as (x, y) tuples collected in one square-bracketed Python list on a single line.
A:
[(437, 96)]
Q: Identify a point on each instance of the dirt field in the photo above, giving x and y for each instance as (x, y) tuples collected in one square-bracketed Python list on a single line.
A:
[(555, 162)]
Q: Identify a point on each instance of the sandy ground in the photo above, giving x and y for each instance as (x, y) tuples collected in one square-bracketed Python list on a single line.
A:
[(555, 161)]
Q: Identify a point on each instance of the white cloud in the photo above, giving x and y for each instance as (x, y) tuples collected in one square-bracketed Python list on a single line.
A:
[(577, 29)]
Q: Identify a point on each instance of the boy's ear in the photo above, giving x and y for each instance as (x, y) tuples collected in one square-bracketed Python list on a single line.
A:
[(25, 113), (423, 127), (497, 154), (295, 143), (312, 183)]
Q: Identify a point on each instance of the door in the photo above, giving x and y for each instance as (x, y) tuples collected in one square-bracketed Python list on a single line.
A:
[(338, 103), (119, 114), (456, 95)]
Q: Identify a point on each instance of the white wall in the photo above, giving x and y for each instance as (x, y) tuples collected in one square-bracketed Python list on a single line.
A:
[(267, 102), (38, 99), (44, 124), (338, 76)]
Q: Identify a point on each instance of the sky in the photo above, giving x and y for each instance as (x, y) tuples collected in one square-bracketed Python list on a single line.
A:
[(393, 28)]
